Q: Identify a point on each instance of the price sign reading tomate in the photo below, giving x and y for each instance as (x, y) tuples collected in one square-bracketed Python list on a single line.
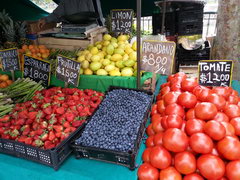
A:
[(68, 70), (10, 59), (158, 57), (121, 20), (37, 70), (215, 72)]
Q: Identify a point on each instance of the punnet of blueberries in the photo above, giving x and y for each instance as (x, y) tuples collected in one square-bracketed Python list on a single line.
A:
[(116, 123)]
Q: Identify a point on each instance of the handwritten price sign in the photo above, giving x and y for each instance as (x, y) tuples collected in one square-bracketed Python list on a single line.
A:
[(10, 59), (158, 57), (215, 72), (68, 70), (121, 20)]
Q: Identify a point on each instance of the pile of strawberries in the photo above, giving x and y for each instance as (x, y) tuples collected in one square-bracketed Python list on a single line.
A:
[(51, 116)]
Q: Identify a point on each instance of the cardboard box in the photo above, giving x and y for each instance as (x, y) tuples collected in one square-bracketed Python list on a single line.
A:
[(32, 27)]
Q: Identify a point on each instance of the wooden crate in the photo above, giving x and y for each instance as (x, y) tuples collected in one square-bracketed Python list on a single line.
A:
[(72, 44)]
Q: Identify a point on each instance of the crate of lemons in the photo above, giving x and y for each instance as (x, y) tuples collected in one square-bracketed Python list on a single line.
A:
[(111, 56)]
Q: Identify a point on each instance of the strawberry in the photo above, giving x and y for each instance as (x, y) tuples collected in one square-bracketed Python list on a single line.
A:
[(7, 124), (51, 136), (60, 110), (28, 140), (75, 98), (70, 116), (29, 121), (77, 123), (58, 128), (66, 124), (32, 115), (5, 119), (43, 124), (38, 143), (48, 145), (35, 126), (21, 139), (39, 131), (23, 114), (44, 136), (25, 130), (48, 110), (47, 99)]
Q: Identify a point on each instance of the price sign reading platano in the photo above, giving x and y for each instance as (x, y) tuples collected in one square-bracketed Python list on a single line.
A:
[(10, 59), (37, 70), (158, 57), (122, 20), (215, 72), (68, 70)]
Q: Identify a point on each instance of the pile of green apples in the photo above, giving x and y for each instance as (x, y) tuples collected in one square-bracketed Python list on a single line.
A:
[(111, 56)]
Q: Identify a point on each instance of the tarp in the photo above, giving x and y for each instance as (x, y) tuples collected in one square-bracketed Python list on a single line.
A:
[(22, 9), (26, 10)]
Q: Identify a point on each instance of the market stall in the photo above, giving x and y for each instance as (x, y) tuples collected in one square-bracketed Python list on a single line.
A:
[(77, 99)]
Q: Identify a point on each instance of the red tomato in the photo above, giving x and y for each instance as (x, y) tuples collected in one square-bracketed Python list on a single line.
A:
[(219, 101), (222, 91), (175, 109), (233, 170), (146, 155), (181, 74), (230, 131), (160, 106), (154, 110), (175, 140), (232, 99), (157, 140), (160, 158), (203, 94), (164, 122), (221, 117), (170, 98), (147, 172), (215, 130), (197, 90), (149, 130), (235, 122), (165, 84), (175, 87), (232, 111), (189, 84), (210, 166), (165, 90), (193, 176), (170, 173), (156, 117), (201, 143), (194, 126), (205, 111), (174, 121), (156, 126), (159, 97), (190, 114), (149, 141), (185, 162), (229, 147), (186, 99)]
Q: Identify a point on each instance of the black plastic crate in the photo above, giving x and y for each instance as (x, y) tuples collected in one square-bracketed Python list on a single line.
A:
[(53, 157), (190, 16), (190, 28), (127, 159), (170, 23)]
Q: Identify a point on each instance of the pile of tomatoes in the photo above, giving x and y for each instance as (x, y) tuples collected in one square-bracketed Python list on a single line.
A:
[(194, 133)]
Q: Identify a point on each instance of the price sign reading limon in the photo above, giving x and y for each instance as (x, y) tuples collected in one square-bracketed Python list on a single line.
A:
[(122, 20), (68, 70), (158, 57), (10, 59), (215, 72), (37, 70)]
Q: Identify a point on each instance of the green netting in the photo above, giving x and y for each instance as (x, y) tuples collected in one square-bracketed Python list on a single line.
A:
[(98, 83)]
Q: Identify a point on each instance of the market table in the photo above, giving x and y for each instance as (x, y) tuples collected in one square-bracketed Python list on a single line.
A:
[(13, 168)]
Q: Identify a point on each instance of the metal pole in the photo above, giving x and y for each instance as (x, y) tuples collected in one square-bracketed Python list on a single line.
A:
[(139, 9), (163, 17)]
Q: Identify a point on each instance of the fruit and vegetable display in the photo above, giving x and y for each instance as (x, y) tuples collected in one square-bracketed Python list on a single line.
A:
[(111, 56), (50, 117), (36, 51), (115, 125), (19, 91), (194, 133)]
